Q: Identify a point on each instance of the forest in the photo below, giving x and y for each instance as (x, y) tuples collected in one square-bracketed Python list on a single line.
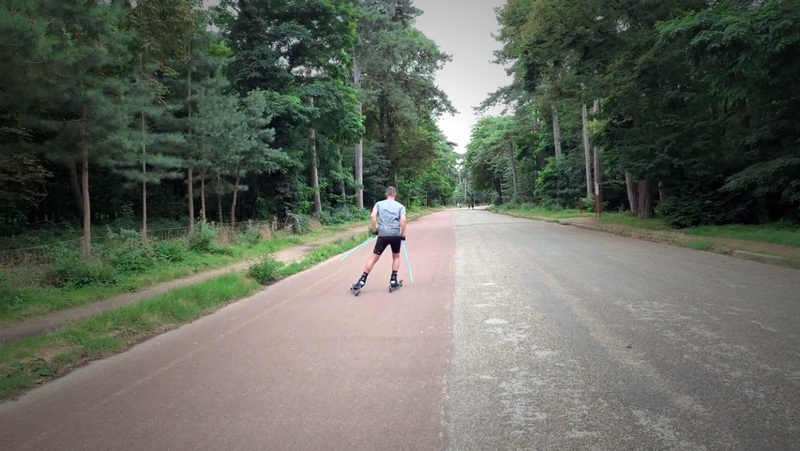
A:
[(681, 110), (135, 117)]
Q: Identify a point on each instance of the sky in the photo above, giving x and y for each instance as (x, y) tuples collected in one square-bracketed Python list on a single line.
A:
[(464, 30)]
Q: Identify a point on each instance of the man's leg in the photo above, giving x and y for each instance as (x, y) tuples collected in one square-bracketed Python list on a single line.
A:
[(396, 242), (371, 262), (380, 245)]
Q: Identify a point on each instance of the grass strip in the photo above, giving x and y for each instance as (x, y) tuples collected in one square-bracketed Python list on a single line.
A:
[(31, 361), (20, 300)]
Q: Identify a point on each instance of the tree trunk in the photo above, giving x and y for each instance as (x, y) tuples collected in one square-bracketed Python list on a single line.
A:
[(86, 247), (219, 198), (645, 209), (556, 132), (313, 174), (190, 186), (633, 198), (341, 172), (190, 179), (203, 195), (662, 192), (587, 152), (144, 180), (598, 169), (312, 156), (513, 166), (86, 243), (598, 182), (359, 148), (235, 193), (499, 186), (75, 186)]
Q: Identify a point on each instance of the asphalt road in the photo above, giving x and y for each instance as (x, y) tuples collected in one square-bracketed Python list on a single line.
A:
[(515, 335), (569, 339)]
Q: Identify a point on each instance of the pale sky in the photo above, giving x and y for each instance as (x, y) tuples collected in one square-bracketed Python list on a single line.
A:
[(463, 29)]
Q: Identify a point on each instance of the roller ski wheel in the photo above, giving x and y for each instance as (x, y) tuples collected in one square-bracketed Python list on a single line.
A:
[(395, 287), (356, 289)]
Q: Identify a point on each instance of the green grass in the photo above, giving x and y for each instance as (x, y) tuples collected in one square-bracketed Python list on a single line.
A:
[(700, 245), (786, 235), (629, 219), (32, 361), (28, 362), (28, 293), (25, 300), (774, 234)]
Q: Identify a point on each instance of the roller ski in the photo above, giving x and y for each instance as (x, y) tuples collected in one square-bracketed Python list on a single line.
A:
[(356, 287), (395, 284)]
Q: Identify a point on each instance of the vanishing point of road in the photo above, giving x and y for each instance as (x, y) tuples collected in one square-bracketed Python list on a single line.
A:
[(514, 335)]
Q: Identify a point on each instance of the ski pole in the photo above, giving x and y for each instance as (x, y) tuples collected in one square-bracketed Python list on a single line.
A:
[(407, 262), (357, 247)]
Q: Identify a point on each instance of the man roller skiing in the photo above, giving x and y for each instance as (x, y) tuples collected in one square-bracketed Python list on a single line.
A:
[(388, 221)]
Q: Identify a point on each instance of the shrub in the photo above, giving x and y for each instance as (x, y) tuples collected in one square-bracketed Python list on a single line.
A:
[(74, 272), (297, 223), (129, 256), (266, 270), (170, 251), (203, 238), (691, 210), (11, 296), (251, 235)]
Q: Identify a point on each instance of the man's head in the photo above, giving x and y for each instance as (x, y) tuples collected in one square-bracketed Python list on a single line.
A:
[(391, 192)]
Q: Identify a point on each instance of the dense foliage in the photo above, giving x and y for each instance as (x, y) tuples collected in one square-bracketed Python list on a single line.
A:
[(688, 106), (165, 111)]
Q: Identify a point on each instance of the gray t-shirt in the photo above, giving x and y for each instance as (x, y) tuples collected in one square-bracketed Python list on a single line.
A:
[(389, 213)]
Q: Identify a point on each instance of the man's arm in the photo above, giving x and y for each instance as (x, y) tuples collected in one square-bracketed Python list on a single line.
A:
[(403, 223), (373, 219)]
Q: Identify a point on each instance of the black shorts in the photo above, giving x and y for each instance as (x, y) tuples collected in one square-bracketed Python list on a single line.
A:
[(383, 241)]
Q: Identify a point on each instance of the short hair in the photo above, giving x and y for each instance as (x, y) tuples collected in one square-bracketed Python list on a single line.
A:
[(391, 191)]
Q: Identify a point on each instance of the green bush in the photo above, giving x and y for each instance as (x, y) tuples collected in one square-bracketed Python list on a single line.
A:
[(203, 238), (170, 251), (11, 296), (560, 182), (74, 272), (691, 210), (343, 215), (298, 224), (251, 236), (129, 257), (265, 271)]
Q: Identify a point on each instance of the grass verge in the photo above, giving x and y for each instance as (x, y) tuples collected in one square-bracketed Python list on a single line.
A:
[(778, 241), (29, 362), (23, 296)]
